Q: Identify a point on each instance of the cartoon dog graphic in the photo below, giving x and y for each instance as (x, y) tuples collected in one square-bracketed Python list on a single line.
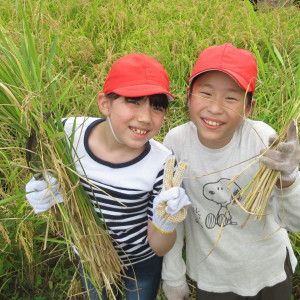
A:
[(219, 193)]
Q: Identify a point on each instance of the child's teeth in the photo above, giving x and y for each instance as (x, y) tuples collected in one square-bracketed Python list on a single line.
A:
[(212, 123), (139, 131)]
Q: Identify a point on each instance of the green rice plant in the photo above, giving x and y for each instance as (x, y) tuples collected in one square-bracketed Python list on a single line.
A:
[(28, 91)]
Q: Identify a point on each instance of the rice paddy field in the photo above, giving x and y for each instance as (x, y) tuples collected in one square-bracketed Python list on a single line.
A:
[(55, 55)]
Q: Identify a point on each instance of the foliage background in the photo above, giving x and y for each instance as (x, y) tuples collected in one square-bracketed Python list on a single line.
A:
[(92, 34)]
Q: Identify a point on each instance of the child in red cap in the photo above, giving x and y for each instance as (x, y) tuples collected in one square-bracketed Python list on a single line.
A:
[(117, 155), (256, 261)]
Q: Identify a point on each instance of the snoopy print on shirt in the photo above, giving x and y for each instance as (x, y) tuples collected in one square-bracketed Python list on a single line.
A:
[(219, 193)]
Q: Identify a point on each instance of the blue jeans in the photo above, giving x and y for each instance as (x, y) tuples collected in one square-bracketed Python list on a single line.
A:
[(145, 287)]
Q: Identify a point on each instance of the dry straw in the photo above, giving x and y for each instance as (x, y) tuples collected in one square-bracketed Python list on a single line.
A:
[(258, 191)]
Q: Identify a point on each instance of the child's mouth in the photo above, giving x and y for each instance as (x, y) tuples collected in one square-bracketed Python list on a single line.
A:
[(212, 123), (139, 131)]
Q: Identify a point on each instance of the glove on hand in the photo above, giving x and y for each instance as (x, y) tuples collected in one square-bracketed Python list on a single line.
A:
[(176, 292), (42, 194), (170, 206), (286, 158)]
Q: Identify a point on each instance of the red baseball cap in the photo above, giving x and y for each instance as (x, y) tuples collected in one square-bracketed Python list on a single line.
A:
[(240, 64), (136, 75)]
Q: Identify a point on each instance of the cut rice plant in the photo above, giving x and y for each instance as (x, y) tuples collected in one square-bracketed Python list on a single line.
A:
[(281, 85), (28, 92), (259, 189)]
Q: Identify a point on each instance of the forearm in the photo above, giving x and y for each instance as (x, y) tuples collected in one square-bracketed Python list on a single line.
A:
[(160, 242), (174, 268)]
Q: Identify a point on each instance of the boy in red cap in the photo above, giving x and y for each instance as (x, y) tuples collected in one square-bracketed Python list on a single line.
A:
[(254, 262), (118, 156)]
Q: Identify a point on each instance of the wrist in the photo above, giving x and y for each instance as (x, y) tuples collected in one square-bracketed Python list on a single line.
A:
[(284, 184), (163, 225), (290, 177)]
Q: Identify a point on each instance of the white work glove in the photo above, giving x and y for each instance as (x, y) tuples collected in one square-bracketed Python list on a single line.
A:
[(42, 194), (171, 204), (286, 157), (181, 292)]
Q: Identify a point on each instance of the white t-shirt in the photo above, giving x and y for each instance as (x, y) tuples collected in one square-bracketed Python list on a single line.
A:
[(245, 260)]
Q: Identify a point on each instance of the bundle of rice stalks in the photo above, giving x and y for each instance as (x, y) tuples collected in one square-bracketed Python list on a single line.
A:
[(259, 189), (28, 90), (281, 86)]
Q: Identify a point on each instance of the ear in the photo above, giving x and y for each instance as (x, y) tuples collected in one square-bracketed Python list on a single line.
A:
[(250, 108), (104, 104), (188, 100)]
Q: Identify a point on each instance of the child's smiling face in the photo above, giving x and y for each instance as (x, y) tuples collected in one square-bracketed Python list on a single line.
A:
[(217, 107), (134, 121)]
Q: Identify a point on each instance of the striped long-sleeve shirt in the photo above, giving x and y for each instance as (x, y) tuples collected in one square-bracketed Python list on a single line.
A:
[(122, 193)]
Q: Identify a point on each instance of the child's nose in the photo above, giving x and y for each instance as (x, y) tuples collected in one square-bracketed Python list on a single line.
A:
[(216, 106), (144, 114)]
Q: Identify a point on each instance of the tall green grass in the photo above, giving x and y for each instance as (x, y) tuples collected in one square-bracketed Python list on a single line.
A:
[(88, 36)]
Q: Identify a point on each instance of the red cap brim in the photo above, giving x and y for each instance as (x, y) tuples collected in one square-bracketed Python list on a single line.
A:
[(142, 90)]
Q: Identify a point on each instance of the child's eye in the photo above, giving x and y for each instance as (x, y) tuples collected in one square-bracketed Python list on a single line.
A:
[(205, 94), (231, 99), (159, 108), (132, 101)]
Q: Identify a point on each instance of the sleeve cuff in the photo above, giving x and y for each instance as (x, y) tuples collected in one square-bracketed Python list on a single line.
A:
[(290, 191)]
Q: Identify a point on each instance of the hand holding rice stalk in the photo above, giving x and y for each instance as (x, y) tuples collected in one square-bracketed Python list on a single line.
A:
[(280, 162), (27, 91), (280, 167), (286, 155)]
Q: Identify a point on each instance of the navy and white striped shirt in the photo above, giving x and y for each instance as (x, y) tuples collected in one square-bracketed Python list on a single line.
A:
[(124, 192)]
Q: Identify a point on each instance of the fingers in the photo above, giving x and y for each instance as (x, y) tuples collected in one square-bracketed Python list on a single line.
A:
[(283, 151), (274, 164), (169, 170), (177, 199), (292, 135), (273, 139), (287, 148), (286, 157), (35, 185), (280, 161), (49, 178), (275, 155), (170, 179), (176, 292), (178, 176), (292, 132)]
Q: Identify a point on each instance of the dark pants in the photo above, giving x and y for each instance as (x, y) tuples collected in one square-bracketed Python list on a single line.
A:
[(280, 291), (145, 287)]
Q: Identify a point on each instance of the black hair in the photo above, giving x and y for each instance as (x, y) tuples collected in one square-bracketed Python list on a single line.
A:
[(156, 100), (249, 94)]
